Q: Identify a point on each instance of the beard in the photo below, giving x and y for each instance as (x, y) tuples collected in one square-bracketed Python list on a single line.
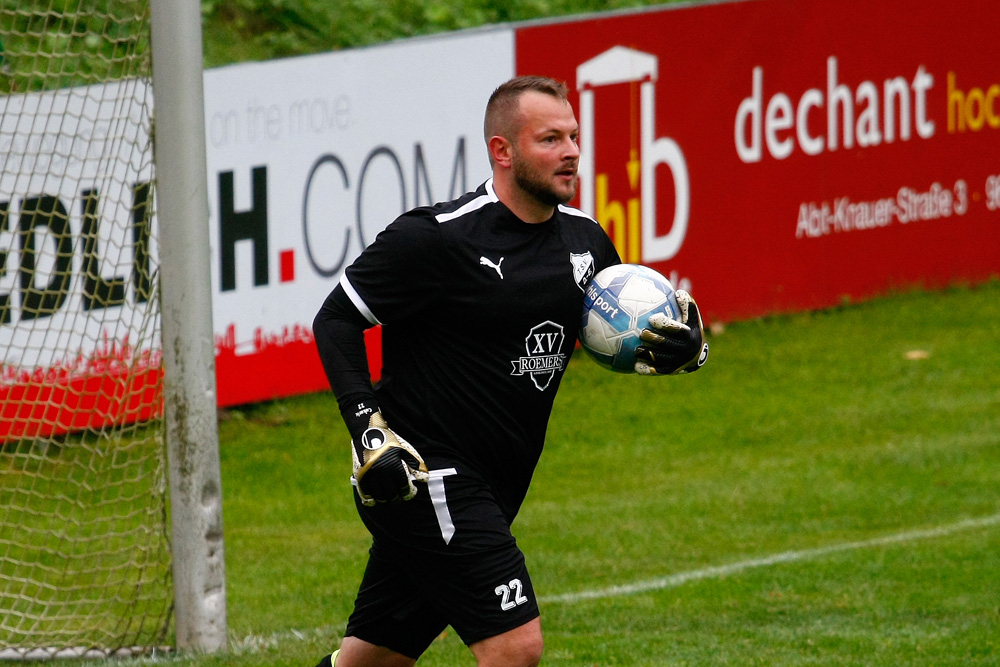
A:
[(534, 183)]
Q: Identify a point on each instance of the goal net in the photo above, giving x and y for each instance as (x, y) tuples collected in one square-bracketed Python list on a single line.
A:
[(84, 540)]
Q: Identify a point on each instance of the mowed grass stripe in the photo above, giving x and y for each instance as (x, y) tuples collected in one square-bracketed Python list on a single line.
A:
[(253, 643), (718, 571)]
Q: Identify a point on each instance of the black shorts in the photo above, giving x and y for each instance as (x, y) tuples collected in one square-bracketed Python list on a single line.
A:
[(446, 557)]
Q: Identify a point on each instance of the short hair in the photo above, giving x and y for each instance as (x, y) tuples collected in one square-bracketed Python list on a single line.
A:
[(502, 110)]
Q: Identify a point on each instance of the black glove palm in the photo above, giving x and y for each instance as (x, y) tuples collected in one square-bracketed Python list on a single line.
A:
[(672, 347)]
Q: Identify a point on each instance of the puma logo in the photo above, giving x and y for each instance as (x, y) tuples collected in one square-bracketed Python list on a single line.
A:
[(496, 267)]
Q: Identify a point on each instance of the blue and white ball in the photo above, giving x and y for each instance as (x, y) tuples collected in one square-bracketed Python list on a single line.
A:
[(618, 303)]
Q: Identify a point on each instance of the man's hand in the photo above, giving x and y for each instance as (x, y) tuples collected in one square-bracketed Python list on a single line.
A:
[(672, 347), (385, 465)]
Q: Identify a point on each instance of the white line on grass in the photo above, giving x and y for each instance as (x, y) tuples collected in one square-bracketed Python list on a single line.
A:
[(680, 578), (255, 643)]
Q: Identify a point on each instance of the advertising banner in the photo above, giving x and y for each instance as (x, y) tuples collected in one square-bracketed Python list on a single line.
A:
[(308, 159), (767, 155), (774, 155), (79, 344)]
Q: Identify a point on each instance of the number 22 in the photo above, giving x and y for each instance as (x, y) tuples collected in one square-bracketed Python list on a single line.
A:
[(505, 591)]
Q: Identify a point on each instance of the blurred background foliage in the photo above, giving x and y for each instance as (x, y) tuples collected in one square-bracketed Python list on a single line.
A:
[(241, 30), (48, 44)]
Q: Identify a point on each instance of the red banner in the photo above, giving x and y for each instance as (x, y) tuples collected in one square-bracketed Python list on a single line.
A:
[(279, 366), (777, 155), (116, 385), (768, 155)]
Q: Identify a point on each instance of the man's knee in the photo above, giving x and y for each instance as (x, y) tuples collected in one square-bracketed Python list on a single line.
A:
[(520, 647), (530, 652)]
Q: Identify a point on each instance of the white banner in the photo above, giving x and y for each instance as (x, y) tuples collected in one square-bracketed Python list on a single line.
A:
[(309, 158), (75, 239)]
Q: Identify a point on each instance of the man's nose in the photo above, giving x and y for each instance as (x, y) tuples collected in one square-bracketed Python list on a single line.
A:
[(572, 149)]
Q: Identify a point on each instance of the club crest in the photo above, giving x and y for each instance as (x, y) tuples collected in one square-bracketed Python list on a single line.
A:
[(583, 268), (544, 357)]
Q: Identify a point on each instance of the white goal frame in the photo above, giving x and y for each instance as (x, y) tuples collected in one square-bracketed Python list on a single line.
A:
[(188, 339)]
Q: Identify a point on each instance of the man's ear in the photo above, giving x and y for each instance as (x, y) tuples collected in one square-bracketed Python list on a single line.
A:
[(501, 151)]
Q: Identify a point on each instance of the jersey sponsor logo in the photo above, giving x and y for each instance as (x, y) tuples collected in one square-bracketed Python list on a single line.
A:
[(583, 268), (486, 261), (544, 354)]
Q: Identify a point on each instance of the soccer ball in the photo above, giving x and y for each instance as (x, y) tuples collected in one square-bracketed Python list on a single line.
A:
[(618, 302)]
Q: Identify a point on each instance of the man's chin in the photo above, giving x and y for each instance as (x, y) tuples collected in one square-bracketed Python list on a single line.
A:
[(557, 197), (565, 189), (551, 194), (566, 196)]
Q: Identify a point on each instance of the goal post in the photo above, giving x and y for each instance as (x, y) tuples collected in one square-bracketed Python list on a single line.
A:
[(110, 492), (188, 338)]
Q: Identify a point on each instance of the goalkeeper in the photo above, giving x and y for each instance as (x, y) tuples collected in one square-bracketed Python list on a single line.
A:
[(479, 301)]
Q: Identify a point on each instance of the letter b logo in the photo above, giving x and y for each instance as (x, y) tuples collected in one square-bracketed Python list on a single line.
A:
[(623, 65)]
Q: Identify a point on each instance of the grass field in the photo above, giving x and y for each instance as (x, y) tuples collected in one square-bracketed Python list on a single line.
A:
[(825, 492)]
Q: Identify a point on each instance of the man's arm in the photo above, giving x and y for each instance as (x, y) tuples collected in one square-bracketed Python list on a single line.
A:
[(339, 330), (385, 465)]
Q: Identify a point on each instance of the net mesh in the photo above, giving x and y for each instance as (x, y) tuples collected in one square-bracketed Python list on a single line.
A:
[(84, 553)]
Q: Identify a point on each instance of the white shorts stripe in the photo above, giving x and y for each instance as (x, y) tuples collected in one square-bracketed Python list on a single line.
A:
[(435, 486)]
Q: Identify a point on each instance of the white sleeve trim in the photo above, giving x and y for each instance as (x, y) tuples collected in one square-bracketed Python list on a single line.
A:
[(356, 299), (489, 198), (569, 210)]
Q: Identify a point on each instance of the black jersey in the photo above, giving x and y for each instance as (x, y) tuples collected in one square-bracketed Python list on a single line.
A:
[(480, 313)]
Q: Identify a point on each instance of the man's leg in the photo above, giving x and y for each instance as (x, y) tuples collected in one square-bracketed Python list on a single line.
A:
[(391, 624), (520, 647), (356, 652), (329, 660)]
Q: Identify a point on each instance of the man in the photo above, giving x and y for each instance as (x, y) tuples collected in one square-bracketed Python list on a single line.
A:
[(445, 448)]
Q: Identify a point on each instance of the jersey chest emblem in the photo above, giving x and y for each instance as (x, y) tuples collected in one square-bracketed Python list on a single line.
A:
[(583, 268), (544, 356)]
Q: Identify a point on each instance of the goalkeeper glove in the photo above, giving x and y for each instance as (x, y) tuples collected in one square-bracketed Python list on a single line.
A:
[(672, 347), (385, 465)]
